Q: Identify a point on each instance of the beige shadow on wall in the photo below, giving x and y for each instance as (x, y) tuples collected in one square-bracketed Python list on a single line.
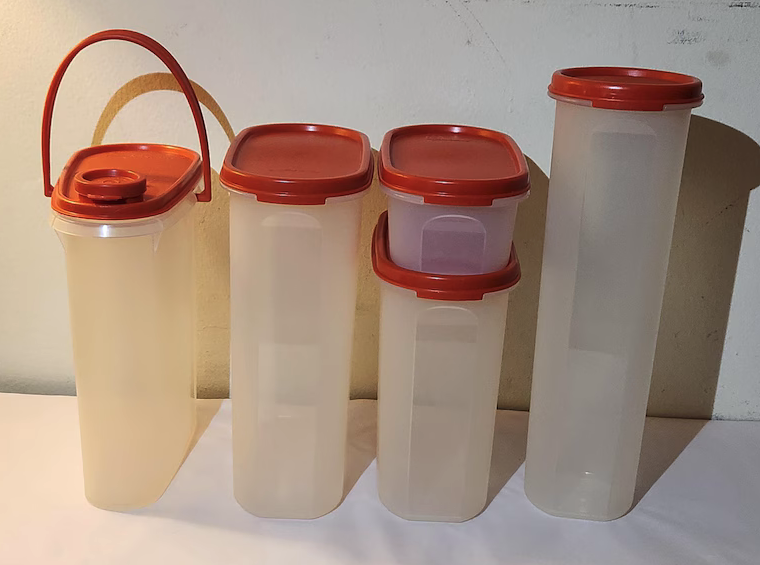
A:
[(367, 323), (520, 337), (212, 248), (721, 168)]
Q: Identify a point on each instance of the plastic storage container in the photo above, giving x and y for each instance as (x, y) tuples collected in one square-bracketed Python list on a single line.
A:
[(441, 340), (295, 211), (123, 214), (453, 193), (619, 142)]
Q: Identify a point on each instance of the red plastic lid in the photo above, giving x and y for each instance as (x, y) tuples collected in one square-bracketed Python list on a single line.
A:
[(298, 163), (127, 180), (438, 287), (453, 165), (626, 88)]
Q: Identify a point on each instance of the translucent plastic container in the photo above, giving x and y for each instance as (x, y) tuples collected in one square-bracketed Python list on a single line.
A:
[(295, 210), (123, 213), (619, 142), (454, 192), (131, 298), (441, 341)]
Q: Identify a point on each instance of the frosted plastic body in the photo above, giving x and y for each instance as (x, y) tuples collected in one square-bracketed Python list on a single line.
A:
[(293, 298), (451, 240), (131, 301), (440, 363), (612, 201)]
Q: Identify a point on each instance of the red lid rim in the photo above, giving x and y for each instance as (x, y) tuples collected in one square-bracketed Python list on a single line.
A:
[(453, 191), (434, 286), (278, 190), (125, 210), (664, 90)]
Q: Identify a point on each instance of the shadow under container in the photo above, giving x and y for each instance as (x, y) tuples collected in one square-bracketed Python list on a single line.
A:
[(123, 213), (619, 142), (452, 193), (295, 210), (441, 341)]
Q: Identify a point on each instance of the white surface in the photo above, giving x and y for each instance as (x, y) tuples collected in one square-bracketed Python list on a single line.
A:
[(703, 510), (293, 272), (440, 363), (612, 204), (363, 64)]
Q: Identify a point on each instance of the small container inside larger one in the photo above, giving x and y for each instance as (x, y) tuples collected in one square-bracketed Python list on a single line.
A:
[(454, 192), (441, 342)]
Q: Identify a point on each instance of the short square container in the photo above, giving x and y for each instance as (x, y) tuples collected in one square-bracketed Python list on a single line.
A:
[(454, 192)]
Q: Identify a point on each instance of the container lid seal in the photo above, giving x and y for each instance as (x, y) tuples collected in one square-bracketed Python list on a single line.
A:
[(298, 163), (626, 88), (453, 165)]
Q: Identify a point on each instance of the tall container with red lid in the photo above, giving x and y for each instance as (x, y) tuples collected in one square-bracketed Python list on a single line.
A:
[(619, 143), (123, 214), (295, 211), (453, 195), (441, 343)]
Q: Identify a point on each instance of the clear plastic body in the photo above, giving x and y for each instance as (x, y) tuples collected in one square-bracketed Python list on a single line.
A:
[(131, 299), (450, 240), (293, 276), (614, 185), (440, 363)]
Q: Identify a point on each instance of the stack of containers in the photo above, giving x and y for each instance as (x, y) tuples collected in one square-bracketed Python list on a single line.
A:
[(295, 209), (444, 254)]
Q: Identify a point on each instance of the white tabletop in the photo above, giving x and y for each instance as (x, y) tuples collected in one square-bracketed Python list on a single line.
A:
[(698, 502)]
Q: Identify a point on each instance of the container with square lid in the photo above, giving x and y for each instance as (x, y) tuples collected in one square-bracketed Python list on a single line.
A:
[(123, 214), (441, 344), (453, 200), (295, 208)]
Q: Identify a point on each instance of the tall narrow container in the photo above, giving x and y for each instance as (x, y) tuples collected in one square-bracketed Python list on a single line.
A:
[(441, 341), (295, 211), (619, 142), (123, 214)]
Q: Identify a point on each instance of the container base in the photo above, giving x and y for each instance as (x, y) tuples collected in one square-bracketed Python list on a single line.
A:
[(260, 512), (430, 518), (576, 515)]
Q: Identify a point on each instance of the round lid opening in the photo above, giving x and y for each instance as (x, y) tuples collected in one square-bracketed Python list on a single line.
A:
[(110, 185)]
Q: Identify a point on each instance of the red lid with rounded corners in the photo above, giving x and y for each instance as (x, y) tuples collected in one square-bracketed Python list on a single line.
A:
[(438, 287), (626, 88), (298, 163), (453, 165), (126, 181)]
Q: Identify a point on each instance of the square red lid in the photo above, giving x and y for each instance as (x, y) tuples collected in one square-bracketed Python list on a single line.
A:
[(454, 165), (125, 181), (298, 163)]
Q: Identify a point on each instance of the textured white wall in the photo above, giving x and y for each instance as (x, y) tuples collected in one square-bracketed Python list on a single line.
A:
[(369, 65)]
